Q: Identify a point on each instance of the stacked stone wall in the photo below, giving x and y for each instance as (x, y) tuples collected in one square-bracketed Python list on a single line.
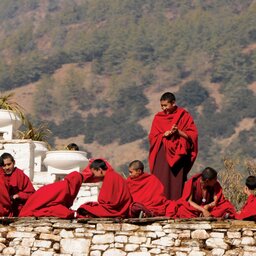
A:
[(131, 237)]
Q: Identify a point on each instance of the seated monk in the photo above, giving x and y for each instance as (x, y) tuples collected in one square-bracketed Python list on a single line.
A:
[(19, 185), (148, 191), (5, 201), (248, 211), (202, 197), (114, 198), (54, 200)]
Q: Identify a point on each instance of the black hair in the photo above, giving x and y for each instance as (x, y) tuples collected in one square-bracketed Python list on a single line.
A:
[(1, 161), (72, 146), (168, 96), (137, 165), (98, 164), (209, 173), (7, 156), (251, 182)]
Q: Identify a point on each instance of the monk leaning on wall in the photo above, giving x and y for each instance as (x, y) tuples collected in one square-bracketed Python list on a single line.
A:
[(114, 197), (19, 185), (54, 200)]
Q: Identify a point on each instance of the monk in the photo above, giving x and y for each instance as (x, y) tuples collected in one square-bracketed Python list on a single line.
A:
[(19, 185), (54, 200), (147, 190), (114, 198), (203, 197), (5, 201), (173, 146), (248, 211)]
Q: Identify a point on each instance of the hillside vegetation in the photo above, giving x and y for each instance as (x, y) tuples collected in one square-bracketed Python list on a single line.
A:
[(96, 69)]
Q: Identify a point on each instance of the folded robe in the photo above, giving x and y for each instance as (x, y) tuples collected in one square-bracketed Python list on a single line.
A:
[(177, 146), (146, 189), (223, 207), (5, 201), (54, 200), (248, 211), (114, 198)]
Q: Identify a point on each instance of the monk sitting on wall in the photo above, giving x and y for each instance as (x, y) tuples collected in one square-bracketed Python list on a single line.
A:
[(5, 201), (248, 211), (19, 185), (202, 196), (114, 198), (148, 191), (54, 200)]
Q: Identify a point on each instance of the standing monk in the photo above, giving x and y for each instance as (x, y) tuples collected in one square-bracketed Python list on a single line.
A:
[(18, 183), (173, 146), (114, 198)]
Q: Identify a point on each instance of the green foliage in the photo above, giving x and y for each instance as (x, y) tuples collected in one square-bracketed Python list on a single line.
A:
[(132, 45)]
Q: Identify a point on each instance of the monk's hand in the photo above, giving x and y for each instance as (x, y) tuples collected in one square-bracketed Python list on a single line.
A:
[(174, 129), (16, 196), (206, 207), (206, 213), (167, 133)]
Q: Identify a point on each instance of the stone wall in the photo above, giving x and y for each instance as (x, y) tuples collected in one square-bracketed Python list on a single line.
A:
[(129, 237)]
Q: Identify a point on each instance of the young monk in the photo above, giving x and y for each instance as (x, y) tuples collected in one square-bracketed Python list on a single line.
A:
[(19, 184), (114, 198), (5, 201), (248, 211), (173, 146), (147, 190), (54, 200), (203, 197)]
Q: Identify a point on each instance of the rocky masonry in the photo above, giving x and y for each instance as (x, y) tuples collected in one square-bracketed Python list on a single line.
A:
[(129, 237)]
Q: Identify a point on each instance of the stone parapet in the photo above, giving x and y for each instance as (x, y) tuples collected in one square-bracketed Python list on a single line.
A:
[(126, 237)]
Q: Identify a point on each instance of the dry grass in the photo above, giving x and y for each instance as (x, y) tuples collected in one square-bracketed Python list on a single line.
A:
[(232, 179)]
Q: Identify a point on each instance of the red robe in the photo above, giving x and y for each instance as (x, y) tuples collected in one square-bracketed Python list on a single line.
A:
[(146, 189), (178, 153), (54, 200), (18, 183), (5, 201), (193, 186), (248, 211), (114, 198)]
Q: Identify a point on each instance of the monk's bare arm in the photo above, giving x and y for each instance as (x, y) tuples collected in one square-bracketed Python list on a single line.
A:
[(198, 207), (212, 204)]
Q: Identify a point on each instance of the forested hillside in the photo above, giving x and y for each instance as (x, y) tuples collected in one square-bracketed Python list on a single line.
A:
[(94, 70)]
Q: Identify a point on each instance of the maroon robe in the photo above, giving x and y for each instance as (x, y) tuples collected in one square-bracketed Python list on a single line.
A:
[(171, 158), (248, 211), (114, 198), (18, 183), (147, 190), (223, 207), (54, 200), (5, 201)]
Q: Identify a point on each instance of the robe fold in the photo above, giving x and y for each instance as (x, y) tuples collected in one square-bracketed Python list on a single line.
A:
[(18, 183), (113, 201), (54, 200), (248, 211), (5, 201), (147, 190), (177, 153), (223, 207)]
